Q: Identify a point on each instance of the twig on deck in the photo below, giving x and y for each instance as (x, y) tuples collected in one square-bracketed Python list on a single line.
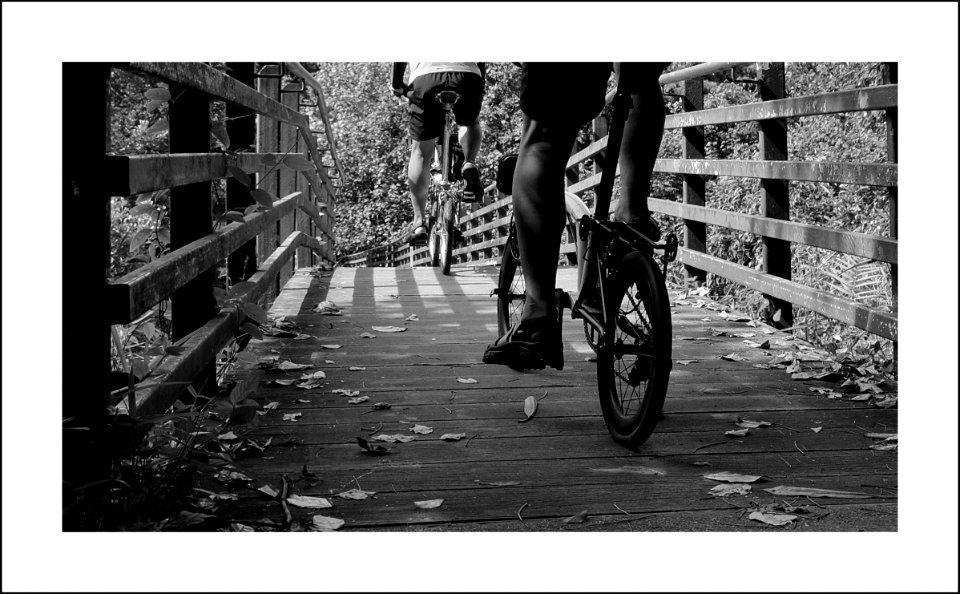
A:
[(785, 461), (708, 446), (545, 394), (471, 439), (814, 502), (449, 412), (618, 507), (520, 510), (287, 518), (798, 448)]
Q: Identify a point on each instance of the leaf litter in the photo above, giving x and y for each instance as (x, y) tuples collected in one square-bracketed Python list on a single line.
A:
[(732, 477), (326, 523), (452, 436), (389, 328), (811, 492), (356, 494), (421, 429), (529, 408), (307, 502), (429, 503), (729, 489), (466, 380)]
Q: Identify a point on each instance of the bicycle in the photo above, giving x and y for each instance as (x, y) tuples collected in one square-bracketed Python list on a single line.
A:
[(622, 300), (446, 189)]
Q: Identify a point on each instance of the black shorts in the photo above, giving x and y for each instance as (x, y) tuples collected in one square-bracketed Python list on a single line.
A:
[(572, 93), (426, 113)]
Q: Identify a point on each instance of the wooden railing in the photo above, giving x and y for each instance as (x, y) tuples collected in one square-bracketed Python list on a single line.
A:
[(259, 246), (485, 229)]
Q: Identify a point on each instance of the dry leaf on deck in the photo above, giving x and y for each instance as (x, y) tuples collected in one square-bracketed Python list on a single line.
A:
[(392, 438), (292, 416), (497, 483), (382, 406), (453, 436), (307, 502), (309, 384), (326, 524), (884, 447), (331, 346), (685, 361), (368, 335), (732, 477), (579, 518), (388, 328), (737, 432), (375, 450), (429, 504), (732, 357), (731, 489), (887, 436), (358, 400), (811, 492), (290, 366), (421, 429), (283, 382), (268, 491), (412, 318), (816, 429), (356, 494), (345, 392), (302, 336), (301, 401), (358, 369), (313, 376), (529, 408), (772, 519), (466, 380), (748, 424), (328, 308)]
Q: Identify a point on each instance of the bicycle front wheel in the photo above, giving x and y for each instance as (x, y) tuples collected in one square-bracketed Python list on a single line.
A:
[(510, 286), (446, 235), (433, 240), (634, 356)]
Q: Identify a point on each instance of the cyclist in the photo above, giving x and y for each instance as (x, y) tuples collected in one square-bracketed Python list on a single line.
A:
[(427, 123), (557, 99)]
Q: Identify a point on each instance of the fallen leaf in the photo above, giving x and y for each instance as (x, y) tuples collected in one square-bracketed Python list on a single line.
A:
[(731, 489), (887, 436), (497, 483), (228, 436), (326, 524), (372, 450), (733, 317), (392, 438), (328, 308), (884, 447), (737, 432), (429, 504), (758, 345), (382, 406), (302, 336), (310, 384), (579, 518), (282, 382), (314, 375), (329, 362), (412, 318), (307, 502), (748, 424), (685, 361), (888, 402), (732, 477), (331, 346), (772, 519), (358, 400), (292, 416), (816, 429), (229, 476), (268, 491), (453, 436), (368, 335), (222, 496), (732, 357), (271, 405), (421, 429), (641, 470), (358, 369), (529, 408), (301, 401), (388, 328), (811, 492), (466, 380), (356, 494), (344, 392), (701, 463), (290, 366)]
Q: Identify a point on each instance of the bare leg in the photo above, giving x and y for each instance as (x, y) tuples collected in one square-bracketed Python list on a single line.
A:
[(539, 211), (642, 135), (470, 139), (418, 175)]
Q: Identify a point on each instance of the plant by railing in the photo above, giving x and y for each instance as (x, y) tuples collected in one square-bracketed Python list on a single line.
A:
[(266, 149)]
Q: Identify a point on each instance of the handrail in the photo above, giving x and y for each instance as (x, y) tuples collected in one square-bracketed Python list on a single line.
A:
[(311, 82)]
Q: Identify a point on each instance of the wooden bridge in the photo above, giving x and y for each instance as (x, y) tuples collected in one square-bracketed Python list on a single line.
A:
[(384, 349)]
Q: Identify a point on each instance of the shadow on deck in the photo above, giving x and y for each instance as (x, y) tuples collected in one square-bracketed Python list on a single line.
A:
[(509, 476)]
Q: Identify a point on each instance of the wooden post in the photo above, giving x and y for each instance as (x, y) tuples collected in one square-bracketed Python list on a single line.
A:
[(300, 220), (191, 217), (289, 141), (694, 186), (86, 259), (774, 192), (890, 78), (242, 129), (268, 141)]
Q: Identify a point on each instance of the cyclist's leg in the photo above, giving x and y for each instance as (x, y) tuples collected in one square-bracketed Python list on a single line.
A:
[(426, 124), (418, 176), (470, 133), (642, 135)]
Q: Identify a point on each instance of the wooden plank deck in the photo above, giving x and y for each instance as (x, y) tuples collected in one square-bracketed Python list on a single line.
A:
[(511, 476)]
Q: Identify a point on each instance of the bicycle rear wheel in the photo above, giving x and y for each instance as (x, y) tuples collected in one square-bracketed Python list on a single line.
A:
[(433, 241), (634, 357), (445, 223), (510, 285)]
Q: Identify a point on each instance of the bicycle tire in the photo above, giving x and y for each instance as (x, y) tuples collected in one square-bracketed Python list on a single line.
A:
[(634, 357), (433, 240), (510, 285), (446, 236)]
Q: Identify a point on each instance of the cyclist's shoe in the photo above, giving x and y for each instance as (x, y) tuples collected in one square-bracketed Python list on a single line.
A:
[(529, 344), (473, 192), (417, 233)]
